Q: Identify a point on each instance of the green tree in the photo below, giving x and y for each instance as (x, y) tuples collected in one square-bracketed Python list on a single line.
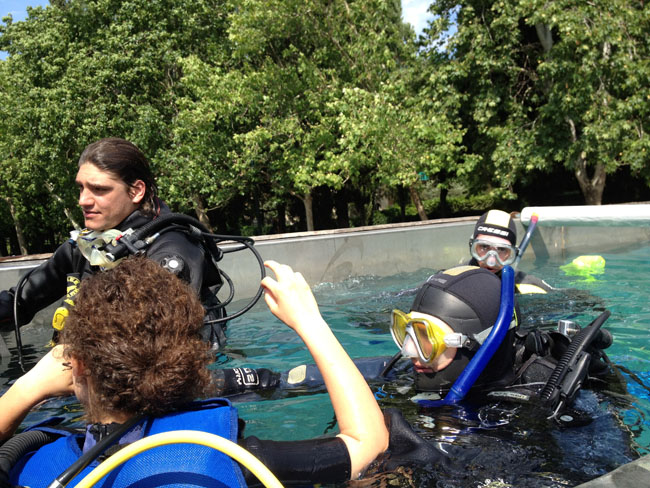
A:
[(546, 83), (294, 60), (403, 131)]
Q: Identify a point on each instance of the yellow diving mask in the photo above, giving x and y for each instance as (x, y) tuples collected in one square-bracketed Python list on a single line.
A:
[(428, 336)]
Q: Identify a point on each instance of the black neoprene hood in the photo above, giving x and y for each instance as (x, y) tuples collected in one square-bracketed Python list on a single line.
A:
[(496, 223), (467, 298)]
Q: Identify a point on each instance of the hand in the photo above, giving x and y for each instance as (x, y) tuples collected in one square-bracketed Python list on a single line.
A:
[(51, 376), (289, 298)]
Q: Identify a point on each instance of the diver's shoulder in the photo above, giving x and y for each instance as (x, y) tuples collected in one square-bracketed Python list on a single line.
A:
[(527, 283)]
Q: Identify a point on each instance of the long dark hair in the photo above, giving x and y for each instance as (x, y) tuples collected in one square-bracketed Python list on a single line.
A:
[(124, 160)]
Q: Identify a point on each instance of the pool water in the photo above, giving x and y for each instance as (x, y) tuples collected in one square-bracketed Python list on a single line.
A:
[(490, 445), (525, 450)]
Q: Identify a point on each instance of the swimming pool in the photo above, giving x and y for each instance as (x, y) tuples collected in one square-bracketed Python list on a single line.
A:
[(522, 452), (526, 450)]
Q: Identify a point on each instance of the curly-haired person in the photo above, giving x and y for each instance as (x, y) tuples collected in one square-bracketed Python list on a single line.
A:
[(131, 346)]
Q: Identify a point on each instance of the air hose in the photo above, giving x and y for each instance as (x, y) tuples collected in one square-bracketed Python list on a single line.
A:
[(19, 340), (94, 452), (19, 445), (390, 364), (137, 241), (226, 446), (571, 357)]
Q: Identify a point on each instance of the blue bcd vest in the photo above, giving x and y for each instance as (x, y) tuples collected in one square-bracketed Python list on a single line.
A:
[(171, 465)]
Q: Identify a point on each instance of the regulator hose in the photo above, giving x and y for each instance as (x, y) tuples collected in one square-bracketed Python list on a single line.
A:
[(580, 342), (226, 446), (137, 241), (19, 340), (93, 453), (19, 445), (389, 365)]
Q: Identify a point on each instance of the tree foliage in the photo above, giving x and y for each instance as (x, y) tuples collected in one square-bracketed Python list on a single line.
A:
[(548, 83), (266, 115)]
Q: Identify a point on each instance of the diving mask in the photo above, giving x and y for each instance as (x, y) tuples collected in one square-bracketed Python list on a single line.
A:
[(482, 250), (429, 338)]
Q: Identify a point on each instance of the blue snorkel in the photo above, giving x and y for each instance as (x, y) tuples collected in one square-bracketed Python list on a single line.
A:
[(476, 366)]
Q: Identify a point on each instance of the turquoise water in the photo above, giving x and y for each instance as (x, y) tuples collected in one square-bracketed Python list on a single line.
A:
[(525, 450), (494, 445)]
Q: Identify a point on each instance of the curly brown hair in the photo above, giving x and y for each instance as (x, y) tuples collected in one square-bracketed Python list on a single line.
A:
[(135, 330)]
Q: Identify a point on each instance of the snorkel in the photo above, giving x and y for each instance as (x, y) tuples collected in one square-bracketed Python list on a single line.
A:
[(476, 366), (526, 239)]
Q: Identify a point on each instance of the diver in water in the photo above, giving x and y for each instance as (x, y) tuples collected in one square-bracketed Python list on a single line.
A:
[(493, 245), (447, 330), (117, 194), (132, 355), (534, 413)]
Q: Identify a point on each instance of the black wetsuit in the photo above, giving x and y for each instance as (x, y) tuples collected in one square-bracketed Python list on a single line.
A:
[(499, 430), (321, 460), (47, 283), (536, 355)]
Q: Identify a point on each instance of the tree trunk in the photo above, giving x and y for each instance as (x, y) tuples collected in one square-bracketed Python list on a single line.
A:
[(201, 212), (259, 216), (592, 188), (281, 219), (415, 197), (545, 36), (19, 230), (402, 200), (307, 201), (444, 205)]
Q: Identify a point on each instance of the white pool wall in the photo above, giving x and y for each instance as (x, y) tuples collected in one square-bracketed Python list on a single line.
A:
[(335, 255)]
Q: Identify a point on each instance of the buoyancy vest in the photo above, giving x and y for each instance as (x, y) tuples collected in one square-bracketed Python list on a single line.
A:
[(171, 465)]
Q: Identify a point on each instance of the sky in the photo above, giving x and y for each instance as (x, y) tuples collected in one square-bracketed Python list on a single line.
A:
[(18, 8), (413, 11)]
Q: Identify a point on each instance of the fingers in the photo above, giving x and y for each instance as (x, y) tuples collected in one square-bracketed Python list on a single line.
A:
[(288, 296), (280, 270), (284, 272)]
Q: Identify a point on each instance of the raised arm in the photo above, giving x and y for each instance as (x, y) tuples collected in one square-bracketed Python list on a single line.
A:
[(50, 377), (360, 420)]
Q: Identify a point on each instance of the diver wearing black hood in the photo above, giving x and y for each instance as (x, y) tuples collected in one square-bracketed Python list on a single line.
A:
[(463, 301), (452, 317), (493, 245)]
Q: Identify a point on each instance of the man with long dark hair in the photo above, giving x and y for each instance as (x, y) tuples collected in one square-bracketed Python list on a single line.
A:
[(117, 194)]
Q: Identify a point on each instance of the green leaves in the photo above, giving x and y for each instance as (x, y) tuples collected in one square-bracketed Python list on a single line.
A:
[(245, 107)]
